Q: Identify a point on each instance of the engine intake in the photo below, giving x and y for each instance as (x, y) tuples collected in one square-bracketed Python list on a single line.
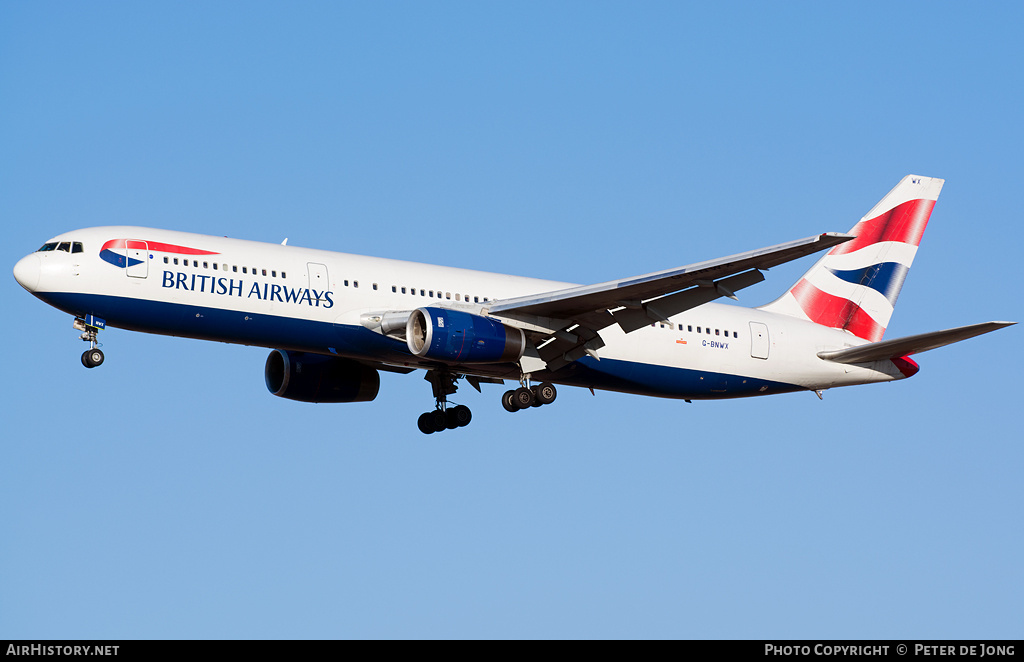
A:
[(317, 378), (458, 337)]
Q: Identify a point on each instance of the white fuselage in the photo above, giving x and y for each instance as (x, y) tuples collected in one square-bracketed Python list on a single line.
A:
[(310, 300)]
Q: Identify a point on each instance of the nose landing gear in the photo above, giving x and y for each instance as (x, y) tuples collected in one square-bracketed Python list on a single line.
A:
[(90, 326)]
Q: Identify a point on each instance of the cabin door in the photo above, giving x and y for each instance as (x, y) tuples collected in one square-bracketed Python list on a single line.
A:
[(138, 258), (318, 277)]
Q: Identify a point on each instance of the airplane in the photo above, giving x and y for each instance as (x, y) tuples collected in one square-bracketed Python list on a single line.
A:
[(334, 321)]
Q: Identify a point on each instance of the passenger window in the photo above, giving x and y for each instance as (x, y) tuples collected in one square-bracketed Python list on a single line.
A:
[(716, 332), (195, 263), (167, 260), (447, 295), (206, 265), (735, 335), (76, 247), (346, 283), (234, 268), (273, 274), (431, 294), (245, 270), (215, 266), (698, 329), (175, 261), (457, 297), (375, 286), (282, 275), (403, 290), (394, 289), (264, 272), (355, 283)]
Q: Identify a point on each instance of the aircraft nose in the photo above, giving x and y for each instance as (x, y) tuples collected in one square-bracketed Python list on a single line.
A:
[(26, 272)]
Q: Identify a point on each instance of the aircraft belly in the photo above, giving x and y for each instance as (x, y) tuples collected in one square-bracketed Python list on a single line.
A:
[(232, 326), (663, 381)]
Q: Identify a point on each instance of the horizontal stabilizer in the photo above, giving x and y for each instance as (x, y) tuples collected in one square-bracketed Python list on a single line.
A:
[(898, 347)]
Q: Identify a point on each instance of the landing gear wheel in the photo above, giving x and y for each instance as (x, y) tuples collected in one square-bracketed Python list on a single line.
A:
[(508, 402), (450, 421), (462, 415), (522, 398), (426, 423), (92, 358), (545, 393), (439, 419)]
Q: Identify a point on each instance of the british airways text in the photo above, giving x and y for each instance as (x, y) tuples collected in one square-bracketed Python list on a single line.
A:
[(263, 291)]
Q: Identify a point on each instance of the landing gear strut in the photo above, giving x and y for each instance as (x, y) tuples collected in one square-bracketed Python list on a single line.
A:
[(90, 327), (525, 397), (443, 383)]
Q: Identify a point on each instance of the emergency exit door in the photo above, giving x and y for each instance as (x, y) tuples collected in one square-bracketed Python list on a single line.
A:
[(759, 342)]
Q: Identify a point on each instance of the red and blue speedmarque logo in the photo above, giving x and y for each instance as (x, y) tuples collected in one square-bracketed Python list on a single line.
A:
[(109, 252)]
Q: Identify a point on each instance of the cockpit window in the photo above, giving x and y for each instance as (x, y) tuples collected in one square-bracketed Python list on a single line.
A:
[(64, 246), (76, 247), (48, 247)]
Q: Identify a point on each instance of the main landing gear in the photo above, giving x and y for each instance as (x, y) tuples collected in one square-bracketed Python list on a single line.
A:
[(90, 326), (443, 417), (525, 397)]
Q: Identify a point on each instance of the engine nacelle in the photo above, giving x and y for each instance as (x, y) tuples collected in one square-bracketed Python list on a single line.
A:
[(458, 337), (317, 378)]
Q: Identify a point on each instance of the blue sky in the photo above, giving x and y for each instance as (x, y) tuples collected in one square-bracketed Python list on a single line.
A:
[(168, 494)]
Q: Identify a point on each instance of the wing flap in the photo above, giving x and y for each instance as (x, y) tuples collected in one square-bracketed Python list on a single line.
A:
[(574, 301), (659, 310)]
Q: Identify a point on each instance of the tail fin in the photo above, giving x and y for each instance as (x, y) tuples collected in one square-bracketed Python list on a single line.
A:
[(855, 285)]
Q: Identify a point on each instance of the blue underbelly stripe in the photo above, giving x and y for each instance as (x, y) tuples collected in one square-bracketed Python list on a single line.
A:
[(278, 332)]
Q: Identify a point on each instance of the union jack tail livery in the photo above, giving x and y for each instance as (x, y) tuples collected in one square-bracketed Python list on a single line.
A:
[(855, 286)]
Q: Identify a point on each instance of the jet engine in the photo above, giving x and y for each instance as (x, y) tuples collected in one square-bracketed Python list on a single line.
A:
[(458, 337), (317, 378)]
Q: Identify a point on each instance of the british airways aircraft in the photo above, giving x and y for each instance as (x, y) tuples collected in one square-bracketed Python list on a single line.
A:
[(333, 321)]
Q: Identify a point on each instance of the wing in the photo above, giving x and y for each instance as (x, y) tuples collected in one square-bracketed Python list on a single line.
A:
[(564, 324)]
